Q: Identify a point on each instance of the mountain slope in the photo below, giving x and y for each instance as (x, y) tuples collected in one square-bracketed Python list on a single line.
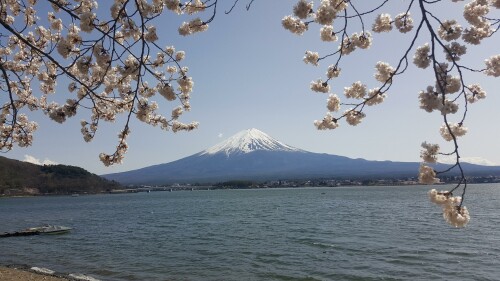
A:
[(253, 155), (16, 176)]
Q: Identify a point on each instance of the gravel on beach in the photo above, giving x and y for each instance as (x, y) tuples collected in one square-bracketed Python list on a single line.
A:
[(15, 274)]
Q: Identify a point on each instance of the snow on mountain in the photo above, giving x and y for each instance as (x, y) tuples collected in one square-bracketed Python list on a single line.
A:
[(247, 141)]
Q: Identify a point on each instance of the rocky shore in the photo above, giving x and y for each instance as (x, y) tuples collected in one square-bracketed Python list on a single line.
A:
[(16, 274)]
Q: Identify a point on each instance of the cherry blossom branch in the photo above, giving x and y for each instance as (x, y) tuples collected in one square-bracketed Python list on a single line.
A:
[(101, 66), (444, 97)]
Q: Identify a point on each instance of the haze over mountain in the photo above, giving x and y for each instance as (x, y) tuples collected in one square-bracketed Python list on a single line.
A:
[(254, 155)]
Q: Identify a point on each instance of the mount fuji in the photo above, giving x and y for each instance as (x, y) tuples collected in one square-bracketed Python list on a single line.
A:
[(254, 155)]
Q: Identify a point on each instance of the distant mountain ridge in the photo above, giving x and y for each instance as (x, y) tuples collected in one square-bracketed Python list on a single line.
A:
[(253, 155), (22, 178)]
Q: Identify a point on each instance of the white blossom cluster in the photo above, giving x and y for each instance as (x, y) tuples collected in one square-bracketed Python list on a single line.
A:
[(113, 65), (422, 56), (363, 40), (475, 93), (194, 26), (328, 34), (356, 91), (319, 86), (450, 30), (430, 152), (453, 212), (328, 122), (333, 71), (450, 130), (404, 22), (375, 97), (294, 25), (454, 51), (384, 72), (475, 12), (333, 103), (429, 99), (446, 83), (493, 66), (384, 23), (21, 133), (354, 117), (427, 175), (311, 57)]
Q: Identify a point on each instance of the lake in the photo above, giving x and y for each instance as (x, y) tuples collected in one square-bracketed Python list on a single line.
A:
[(343, 233)]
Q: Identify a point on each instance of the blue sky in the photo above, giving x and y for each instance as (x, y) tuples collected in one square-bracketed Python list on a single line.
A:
[(248, 73)]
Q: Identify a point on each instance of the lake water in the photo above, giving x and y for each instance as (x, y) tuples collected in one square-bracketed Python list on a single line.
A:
[(351, 233)]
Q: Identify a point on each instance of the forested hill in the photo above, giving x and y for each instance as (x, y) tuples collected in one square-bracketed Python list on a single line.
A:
[(22, 178)]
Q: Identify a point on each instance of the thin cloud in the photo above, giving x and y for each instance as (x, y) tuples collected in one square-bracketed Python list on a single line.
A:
[(34, 160)]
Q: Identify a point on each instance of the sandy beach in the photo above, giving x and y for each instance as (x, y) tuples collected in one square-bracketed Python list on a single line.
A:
[(15, 274)]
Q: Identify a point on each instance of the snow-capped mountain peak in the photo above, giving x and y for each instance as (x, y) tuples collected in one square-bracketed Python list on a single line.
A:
[(247, 141)]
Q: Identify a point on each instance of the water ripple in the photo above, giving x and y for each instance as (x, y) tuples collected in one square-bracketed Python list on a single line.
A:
[(358, 233)]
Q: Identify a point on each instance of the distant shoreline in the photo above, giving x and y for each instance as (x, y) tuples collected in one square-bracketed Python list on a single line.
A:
[(142, 189)]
